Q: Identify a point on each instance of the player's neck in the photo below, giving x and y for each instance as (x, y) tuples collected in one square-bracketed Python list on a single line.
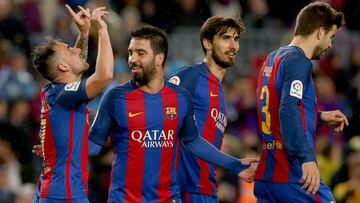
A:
[(153, 86), (306, 44), (214, 68), (67, 78)]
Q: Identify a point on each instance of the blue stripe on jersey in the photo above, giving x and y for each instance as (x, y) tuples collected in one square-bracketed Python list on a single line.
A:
[(154, 121), (202, 89), (118, 169)]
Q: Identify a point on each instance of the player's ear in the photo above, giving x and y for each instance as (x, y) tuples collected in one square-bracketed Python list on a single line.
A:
[(207, 44), (320, 32), (63, 67), (159, 58)]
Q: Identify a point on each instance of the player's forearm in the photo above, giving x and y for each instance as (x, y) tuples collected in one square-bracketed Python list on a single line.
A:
[(211, 154), (105, 61), (82, 43)]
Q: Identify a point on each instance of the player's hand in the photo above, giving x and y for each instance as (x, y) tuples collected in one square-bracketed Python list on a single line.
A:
[(38, 151), (249, 160), (97, 18), (310, 178), (82, 19), (248, 174), (335, 118)]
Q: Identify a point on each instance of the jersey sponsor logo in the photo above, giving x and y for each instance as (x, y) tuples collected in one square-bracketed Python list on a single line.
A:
[(219, 118), (175, 80), (170, 113), (73, 86), (296, 89), (154, 138), (134, 114), (213, 95), (272, 145)]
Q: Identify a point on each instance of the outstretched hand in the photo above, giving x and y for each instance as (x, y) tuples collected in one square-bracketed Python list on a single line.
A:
[(82, 19), (248, 174), (335, 118)]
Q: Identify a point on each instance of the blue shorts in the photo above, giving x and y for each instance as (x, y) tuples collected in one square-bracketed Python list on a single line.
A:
[(77, 200), (269, 192), (188, 197)]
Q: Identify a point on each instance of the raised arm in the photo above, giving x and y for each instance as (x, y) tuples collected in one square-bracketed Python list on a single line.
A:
[(105, 58)]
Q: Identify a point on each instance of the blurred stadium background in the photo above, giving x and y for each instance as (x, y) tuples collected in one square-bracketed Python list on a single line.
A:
[(26, 23)]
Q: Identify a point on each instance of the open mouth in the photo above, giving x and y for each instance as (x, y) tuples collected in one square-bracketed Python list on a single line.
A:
[(230, 54), (135, 69)]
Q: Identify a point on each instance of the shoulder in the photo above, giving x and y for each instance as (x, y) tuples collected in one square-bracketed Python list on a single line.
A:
[(119, 90), (186, 74), (295, 56), (176, 88)]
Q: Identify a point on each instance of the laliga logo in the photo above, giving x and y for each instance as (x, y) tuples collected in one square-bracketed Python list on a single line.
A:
[(220, 119), (297, 86), (154, 138)]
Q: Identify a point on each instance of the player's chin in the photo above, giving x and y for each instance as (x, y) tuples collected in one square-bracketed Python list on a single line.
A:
[(86, 66)]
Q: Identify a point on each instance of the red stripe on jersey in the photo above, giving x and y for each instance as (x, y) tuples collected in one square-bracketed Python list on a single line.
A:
[(315, 124), (136, 153), (170, 109), (302, 111), (260, 171), (48, 144), (69, 156), (186, 197), (317, 199), (281, 170), (209, 132), (85, 151)]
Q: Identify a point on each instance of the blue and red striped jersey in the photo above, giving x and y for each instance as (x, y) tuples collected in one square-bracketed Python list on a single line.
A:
[(287, 112), (194, 174), (144, 129), (64, 138)]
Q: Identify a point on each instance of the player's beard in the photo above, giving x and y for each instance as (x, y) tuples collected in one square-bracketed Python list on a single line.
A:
[(318, 52), (218, 60), (146, 75)]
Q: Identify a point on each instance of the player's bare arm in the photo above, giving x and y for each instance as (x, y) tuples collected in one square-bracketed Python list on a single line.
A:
[(105, 61), (334, 118), (82, 21)]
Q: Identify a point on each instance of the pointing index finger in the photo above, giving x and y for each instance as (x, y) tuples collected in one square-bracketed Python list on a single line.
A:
[(73, 14)]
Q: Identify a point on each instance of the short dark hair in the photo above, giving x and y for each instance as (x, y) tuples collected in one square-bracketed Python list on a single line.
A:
[(315, 15), (41, 55), (219, 25), (158, 39)]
